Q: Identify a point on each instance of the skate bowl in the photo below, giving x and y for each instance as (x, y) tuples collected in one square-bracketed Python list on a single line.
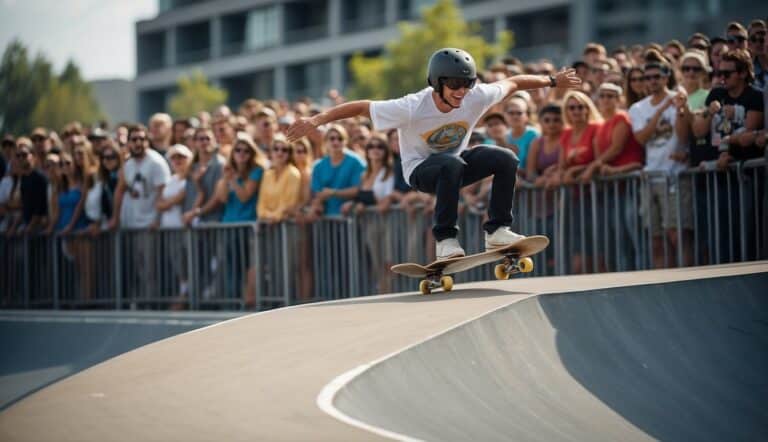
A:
[(675, 361), (671, 354)]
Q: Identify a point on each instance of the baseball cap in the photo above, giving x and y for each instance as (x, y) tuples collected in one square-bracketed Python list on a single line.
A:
[(178, 149)]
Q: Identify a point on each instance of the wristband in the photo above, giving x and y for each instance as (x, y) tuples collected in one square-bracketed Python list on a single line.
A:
[(552, 81)]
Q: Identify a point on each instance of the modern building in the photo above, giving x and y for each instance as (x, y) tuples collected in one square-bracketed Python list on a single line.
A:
[(116, 98), (294, 48)]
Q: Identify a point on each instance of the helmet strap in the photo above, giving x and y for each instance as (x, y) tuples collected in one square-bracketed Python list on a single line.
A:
[(440, 94)]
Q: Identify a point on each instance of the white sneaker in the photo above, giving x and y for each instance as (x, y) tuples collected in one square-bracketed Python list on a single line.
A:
[(449, 248), (503, 236)]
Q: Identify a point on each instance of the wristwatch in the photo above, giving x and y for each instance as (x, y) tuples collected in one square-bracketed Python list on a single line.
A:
[(552, 81)]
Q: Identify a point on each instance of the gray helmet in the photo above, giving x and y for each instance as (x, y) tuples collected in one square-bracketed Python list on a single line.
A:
[(450, 62)]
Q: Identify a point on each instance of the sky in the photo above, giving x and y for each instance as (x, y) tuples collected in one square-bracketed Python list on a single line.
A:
[(99, 35)]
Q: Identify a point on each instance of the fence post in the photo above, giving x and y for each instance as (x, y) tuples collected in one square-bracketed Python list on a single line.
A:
[(679, 218), (56, 274), (286, 264), (742, 213), (118, 270)]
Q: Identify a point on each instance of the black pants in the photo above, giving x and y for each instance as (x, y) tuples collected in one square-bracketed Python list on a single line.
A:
[(445, 174)]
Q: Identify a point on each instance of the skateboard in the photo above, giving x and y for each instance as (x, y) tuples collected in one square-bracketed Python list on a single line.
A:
[(515, 259)]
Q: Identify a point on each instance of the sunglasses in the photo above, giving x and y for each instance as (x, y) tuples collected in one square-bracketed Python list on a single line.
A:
[(692, 69), (551, 120), (635, 79), (240, 150), (700, 46), (576, 107), (38, 138), (376, 146), (51, 164), (736, 39), (652, 77), (459, 83), (109, 157), (607, 96), (757, 38), (178, 157), (334, 138), (515, 113), (22, 154), (202, 138), (281, 150), (300, 151), (138, 139), (725, 73)]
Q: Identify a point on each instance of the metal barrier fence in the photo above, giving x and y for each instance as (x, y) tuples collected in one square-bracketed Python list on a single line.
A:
[(610, 224)]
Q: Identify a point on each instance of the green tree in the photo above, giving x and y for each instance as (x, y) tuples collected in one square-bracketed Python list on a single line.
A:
[(195, 94), (67, 98), (402, 68), (22, 83)]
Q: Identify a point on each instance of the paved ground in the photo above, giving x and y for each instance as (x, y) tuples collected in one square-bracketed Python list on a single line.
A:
[(258, 377)]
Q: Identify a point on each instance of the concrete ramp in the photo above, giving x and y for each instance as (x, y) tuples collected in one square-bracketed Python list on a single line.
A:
[(628, 356), (676, 361)]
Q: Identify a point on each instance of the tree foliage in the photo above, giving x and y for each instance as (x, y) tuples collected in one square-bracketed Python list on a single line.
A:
[(31, 94), (402, 68), (195, 93)]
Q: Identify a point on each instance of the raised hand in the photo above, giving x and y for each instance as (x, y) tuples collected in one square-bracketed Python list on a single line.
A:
[(567, 79), (300, 128)]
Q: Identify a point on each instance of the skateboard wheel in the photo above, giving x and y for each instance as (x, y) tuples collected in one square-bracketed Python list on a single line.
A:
[(424, 287), (501, 272), (525, 265), (447, 283)]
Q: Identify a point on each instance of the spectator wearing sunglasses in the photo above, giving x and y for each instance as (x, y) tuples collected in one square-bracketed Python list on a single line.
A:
[(336, 176), (170, 202), (33, 188), (735, 109), (757, 37), (634, 86), (101, 198), (280, 189), (736, 36), (207, 170), (521, 132), (699, 41), (656, 126), (695, 69), (434, 125), (141, 182)]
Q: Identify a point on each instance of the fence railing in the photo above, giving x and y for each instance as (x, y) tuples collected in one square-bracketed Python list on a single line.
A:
[(605, 225)]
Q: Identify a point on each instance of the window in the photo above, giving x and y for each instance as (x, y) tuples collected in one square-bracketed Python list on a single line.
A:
[(261, 28)]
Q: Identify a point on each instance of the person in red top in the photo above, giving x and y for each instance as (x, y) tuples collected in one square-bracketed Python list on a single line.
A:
[(617, 152), (616, 148), (582, 121)]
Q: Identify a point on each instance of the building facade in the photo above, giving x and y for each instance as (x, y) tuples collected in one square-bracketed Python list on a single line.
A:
[(294, 48)]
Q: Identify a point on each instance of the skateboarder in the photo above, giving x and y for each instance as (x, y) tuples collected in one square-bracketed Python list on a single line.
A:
[(434, 126)]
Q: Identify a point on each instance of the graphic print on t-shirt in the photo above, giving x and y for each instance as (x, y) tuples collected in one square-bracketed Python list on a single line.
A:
[(446, 137), (662, 134)]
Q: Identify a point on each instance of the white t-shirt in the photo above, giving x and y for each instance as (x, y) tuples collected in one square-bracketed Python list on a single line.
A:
[(424, 130), (6, 185), (172, 216), (663, 142), (383, 187), (142, 180)]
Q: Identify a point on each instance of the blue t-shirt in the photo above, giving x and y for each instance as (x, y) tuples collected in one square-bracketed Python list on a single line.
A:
[(523, 143), (347, 174), (237, 211), (68, 202)]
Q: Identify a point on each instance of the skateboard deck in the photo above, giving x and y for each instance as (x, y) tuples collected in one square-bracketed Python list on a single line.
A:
[(515, 256)]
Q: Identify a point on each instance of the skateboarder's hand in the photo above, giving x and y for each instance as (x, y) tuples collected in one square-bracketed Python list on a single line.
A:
[(567, 79), (300, 128)]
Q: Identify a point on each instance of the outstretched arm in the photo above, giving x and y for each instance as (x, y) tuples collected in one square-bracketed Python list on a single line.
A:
[(304, 126), (566, 78)]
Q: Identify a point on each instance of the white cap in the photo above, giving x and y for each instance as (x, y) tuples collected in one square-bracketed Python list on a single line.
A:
[(608, 86), (178, 149)]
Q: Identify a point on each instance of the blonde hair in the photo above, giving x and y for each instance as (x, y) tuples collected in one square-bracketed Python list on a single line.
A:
[(594, 114)]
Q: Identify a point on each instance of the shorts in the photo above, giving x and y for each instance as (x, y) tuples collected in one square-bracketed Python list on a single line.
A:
[(660, 204)]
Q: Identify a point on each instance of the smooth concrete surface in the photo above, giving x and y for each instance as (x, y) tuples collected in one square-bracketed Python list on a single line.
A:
[(258, 377), (40, 347), (677, 361)]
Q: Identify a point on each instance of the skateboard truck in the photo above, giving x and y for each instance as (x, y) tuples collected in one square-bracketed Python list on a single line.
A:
[(511, 265), (435, 280)]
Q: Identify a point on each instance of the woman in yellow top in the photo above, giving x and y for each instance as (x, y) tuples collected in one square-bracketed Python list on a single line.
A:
[(281, 185)]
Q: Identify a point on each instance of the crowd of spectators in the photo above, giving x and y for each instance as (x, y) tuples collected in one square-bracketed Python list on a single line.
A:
[(660, 108)]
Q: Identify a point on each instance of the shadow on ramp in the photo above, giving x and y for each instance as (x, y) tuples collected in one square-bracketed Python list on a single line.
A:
[(675, 361)]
